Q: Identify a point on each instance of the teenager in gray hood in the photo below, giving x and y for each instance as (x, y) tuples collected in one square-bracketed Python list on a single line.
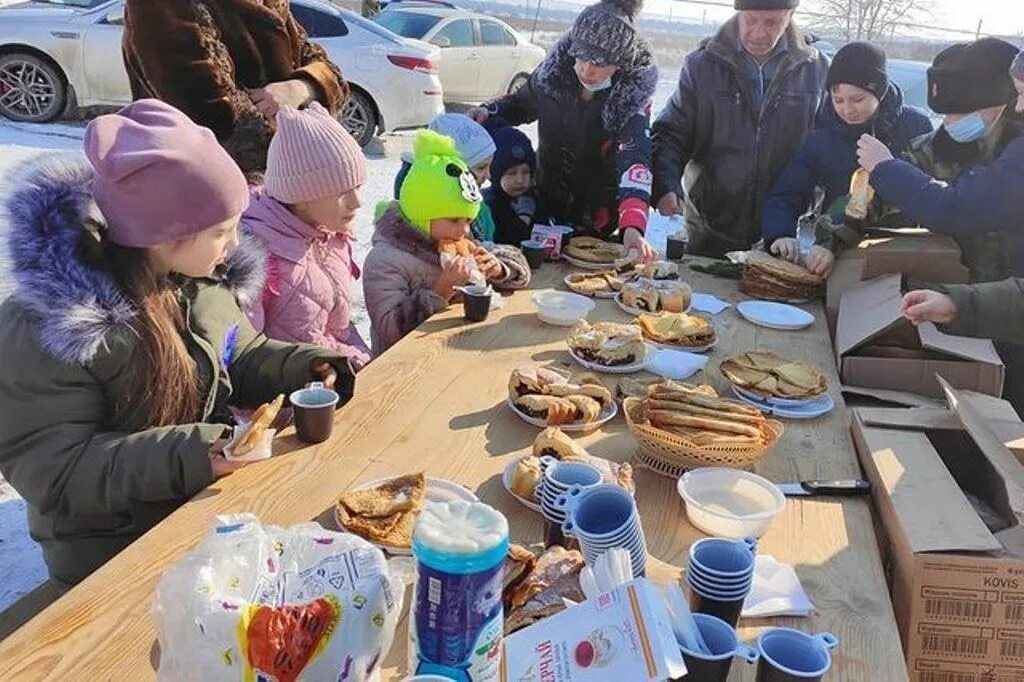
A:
[(746, 100)]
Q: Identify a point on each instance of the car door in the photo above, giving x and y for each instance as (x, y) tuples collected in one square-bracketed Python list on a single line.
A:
[(106, 80), (459, 66), (500, 59)]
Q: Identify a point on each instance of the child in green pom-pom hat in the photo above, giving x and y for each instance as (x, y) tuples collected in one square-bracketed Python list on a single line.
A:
[(405, 278)]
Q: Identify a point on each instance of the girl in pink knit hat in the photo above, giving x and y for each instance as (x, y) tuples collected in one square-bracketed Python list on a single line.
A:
[(304, 214)]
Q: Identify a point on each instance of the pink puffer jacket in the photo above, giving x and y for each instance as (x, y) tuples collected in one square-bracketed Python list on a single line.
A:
[(310, 279)]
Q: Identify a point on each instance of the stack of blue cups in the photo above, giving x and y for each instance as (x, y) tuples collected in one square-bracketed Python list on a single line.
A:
[(604, 517), (557, 478), (720, 575)]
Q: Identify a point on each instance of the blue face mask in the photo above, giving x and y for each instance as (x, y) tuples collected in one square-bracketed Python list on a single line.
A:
[(968, 129)]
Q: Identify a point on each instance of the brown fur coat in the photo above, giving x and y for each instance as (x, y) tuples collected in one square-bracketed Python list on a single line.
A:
[(201, 55)]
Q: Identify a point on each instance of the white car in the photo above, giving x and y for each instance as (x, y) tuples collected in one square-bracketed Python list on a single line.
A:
[(481, 57), (56, 54)]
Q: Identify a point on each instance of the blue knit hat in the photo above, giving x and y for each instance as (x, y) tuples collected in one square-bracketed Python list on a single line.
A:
[(512, 148)]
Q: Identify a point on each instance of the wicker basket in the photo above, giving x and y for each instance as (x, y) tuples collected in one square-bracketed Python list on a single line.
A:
[(671, 455)]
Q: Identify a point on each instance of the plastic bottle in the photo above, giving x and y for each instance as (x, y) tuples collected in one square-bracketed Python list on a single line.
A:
[(457, 618)]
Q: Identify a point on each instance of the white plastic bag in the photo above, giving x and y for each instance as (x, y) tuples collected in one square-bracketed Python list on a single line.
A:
[(254, 602)]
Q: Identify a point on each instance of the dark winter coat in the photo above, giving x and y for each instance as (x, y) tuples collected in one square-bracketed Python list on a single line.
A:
[(980, 204), (93, 484), (991, 310), (593, 157), (828, 158), (399, 276), (509, 227), (201, 55), (732, 154)]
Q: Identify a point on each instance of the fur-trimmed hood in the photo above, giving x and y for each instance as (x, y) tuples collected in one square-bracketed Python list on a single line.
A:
[(78, 307), (395, 229), (632, 88)]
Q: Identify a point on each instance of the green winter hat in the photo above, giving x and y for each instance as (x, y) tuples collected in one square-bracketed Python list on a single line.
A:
[(439, 184)]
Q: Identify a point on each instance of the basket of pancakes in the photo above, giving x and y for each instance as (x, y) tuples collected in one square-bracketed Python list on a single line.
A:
[(774, 279), (550, 396), (677, 329), (772, 376), (653, 297), (681, 427)]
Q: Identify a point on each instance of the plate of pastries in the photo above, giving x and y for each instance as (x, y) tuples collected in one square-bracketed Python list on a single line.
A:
[(544, 397), (651, 296), (608, 347), (678, 331)]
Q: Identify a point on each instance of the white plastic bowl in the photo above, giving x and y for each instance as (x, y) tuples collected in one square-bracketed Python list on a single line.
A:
[(561, 308), (730, 503)]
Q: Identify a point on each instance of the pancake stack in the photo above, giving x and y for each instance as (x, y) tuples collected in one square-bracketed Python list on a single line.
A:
[(773, 279)]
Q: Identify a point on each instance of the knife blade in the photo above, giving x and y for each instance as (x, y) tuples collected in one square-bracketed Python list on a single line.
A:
[(838, 488)]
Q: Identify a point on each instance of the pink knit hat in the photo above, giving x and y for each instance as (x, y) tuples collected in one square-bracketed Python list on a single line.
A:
[(159, 177), (312, 156)]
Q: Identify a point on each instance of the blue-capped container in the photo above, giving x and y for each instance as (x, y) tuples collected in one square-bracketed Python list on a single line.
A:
[(457, 617)]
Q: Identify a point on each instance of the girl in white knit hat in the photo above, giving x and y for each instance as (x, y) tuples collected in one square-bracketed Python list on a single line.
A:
[(304, 214)]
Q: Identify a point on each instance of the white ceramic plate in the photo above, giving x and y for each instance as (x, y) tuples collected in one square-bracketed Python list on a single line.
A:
[(620, 369), (587, 265), (775, 402), (812, 409), (775, 315), (438, 490), (636, 311), (606, 415), (607, 294)]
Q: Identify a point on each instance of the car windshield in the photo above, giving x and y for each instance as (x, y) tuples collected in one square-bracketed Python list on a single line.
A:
[(84, 4), (406, 24)]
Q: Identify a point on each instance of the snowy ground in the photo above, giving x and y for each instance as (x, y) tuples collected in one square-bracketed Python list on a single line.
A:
[(21, 565)]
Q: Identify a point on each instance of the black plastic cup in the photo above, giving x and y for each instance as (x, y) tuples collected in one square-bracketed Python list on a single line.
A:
[(788, 655), (723, 646), (675, 248), (534, 252), (476, 302), (313, 408), (725, 609)]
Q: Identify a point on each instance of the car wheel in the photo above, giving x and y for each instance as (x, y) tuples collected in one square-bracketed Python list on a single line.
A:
[(359, 117), (517, 82), (30, 89)]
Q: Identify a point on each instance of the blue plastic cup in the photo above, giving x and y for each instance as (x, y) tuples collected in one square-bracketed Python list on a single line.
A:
[(723, 644), (788, 655), (729, 560)]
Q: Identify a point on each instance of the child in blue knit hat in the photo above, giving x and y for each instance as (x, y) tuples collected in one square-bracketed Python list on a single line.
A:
[(512, 196)]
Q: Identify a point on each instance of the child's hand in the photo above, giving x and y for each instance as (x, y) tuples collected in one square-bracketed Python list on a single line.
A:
[(489, 265), (928, 306), (455, 274)]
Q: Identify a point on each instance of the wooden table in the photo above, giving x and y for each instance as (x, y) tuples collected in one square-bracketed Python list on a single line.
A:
[(436, 401)]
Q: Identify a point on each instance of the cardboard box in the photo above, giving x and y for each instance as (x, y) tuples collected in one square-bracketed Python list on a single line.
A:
[(915, 252), (876, 347), (957, 584)]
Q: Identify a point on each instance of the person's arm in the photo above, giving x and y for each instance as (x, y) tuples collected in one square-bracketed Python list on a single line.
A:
[(317, 69), (633, 160), (515, 270), (792, 194), (518, 108), (987, 198), (992, 310), (57, 453), (673, 135), (394, 308)]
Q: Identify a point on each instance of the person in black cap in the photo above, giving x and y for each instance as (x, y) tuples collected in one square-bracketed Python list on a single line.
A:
[(746, 100), (965, 179), (512, 196), (862, 100), (591, 98)]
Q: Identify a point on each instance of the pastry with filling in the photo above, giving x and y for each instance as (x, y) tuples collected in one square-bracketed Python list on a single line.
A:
[(608, 343), (675, 298), (553, 442), (661, 269), (587, 409), (526, 477), (680, 329), (641, 295), (453, 247), (554, 565), (552, 410), (519, 561), (532, 380)]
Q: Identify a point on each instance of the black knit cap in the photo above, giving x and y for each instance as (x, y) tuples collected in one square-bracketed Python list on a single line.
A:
[(968, 77), (604, 34), (766, 4), (860, 64)]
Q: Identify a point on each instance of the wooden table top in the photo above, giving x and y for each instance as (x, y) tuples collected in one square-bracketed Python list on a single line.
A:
[(436, 402)]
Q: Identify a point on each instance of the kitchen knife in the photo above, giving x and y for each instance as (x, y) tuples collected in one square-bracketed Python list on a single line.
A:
[(843, 488)]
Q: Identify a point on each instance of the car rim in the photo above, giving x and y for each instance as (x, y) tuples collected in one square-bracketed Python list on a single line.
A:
[(355, 118), (25, 89)]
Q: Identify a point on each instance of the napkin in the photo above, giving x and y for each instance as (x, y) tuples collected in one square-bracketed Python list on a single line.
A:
[(776, 591), (706, 303), (674, 364)]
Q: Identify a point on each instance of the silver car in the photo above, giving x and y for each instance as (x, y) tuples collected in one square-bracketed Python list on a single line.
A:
[(481, 57), (56, 55)]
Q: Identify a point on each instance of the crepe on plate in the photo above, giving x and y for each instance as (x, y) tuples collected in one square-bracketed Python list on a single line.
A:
[(595, 283), (678, 329), (608, 343), (771, 375), (593, 250), (384, 514)]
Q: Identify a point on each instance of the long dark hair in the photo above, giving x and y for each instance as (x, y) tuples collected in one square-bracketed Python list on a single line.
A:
[(163, 382)]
